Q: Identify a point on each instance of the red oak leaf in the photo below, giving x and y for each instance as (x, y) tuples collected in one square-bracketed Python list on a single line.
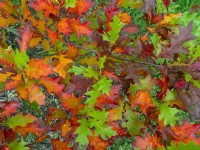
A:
[(36, 94), (148, 142), (46, 6), (27, 34), (166, 3), (52, 84), (96, 143), (10, 108), (186, 132), (64, 26), (36, 128), (142, 99), (52, 35), (36, 69), (81, 29), (69, 101), (147, 50), (109, 100), (58, 145), (82, 6)]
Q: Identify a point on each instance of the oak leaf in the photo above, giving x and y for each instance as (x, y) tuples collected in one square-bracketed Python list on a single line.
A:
[(69, 101), (27, 34), (96, 143), (58, 145), (36, 94), (143, 99), (19, 120), (64, 26), (35, 128), (52, 84), (81, 6), (36, 69), (9, 109), (81, 29), (47, 7), (60, 67)]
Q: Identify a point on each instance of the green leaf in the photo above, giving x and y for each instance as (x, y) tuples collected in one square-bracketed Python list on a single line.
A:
[(103, 85), (59, 45), (145, 84), (18, 145), (69, 3), (155, 39), (83, 131), (160, 7), (97, 120), (132, 124), (170, 95), (116, 26), (181, 146), (87, 72), (21, 59), (93, 97), (188, 77), (102, 129), (101, 62), (132, 3), (19, 120), (168, 114)]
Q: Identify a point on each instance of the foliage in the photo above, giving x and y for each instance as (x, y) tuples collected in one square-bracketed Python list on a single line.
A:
[(83, 74)]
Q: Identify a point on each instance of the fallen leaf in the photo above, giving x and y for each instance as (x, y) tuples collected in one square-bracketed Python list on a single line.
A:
[(47, 7), (52, 84), (36, 69), (81, 6), (70, 102)]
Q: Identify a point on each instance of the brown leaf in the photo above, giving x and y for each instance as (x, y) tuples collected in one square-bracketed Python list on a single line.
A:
[(191, 100), (177, 42), (58, 145)]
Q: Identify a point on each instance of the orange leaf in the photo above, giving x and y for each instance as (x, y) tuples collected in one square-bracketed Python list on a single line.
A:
[(69, 101), (36, 69), (80, 29), (36, 94), (5, 22), (36, 128), (52, 84), (148, 142), (58, 145), (142, 99), (82, 6), (60, 67), (72, 51), (186, 132), (35, 41), (66, 128), (63, 26), (52, 35), (96, 143), (11, 84), (115, 113), (124, 17), (45, 6), (26, 38), (8, 7), (3, 77)]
